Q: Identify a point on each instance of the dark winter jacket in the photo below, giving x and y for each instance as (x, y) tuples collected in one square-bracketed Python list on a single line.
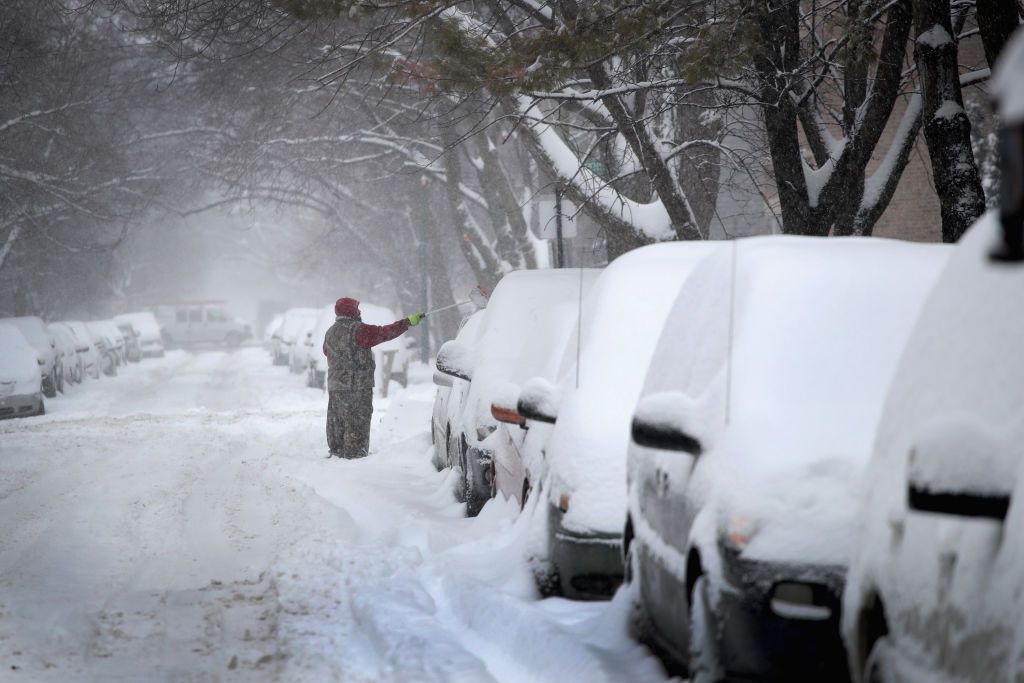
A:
[(347, 346)]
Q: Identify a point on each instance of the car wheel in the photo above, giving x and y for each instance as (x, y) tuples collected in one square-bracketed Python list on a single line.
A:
[(49, 387), (879, 667), (42, 408), (704, 665)]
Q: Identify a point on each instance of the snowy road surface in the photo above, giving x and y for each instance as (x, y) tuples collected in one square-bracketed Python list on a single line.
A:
[(179, 522)]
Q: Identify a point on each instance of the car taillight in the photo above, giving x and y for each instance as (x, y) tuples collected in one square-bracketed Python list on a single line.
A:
[(563, 501)]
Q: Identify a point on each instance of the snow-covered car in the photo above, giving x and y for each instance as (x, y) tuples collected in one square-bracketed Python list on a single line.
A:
[(270, 330), (187, 323), (68, 347), (584, 452), (287, 334), (749, 441), (35, 332), (935, 590), (92, 355), (21, 392), (300, 353), (115, 340), (132, 347), (147, 329), (391, 359), (522, 334), (448, 397), (105, 345)]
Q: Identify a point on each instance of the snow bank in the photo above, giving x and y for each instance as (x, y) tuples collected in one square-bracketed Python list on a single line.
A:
[(622, 318)]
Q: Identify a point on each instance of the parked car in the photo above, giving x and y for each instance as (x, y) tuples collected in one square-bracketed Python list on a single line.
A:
[(300, 353), (270, 330), (750, 437), (287, 334), (115, 340), (35, 332), (591, 407), (187, 323), (132, 346), (67, 346), (391, 359), (147, 330), (21, 381), (105, 345), (92, 355), (448, 398), (522, 333)]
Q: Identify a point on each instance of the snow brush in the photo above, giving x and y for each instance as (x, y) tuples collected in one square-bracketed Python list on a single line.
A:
[(478, 296)]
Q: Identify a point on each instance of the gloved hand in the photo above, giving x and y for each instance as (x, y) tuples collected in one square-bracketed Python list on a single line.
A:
[(415, 319)]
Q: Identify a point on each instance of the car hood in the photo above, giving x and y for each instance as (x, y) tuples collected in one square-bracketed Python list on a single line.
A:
[(804, 512)]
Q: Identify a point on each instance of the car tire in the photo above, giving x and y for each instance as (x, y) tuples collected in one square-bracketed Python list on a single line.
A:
[(42, 408), (703, 661), (879, 666), (49, 387)]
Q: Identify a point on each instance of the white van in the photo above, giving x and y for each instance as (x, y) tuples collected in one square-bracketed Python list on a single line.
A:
[(186, 323)]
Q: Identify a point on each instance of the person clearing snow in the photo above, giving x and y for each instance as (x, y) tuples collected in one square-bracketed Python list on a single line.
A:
[(350, 369)]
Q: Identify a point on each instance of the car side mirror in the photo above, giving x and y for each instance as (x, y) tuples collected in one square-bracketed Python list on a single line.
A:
[(442, 380), (958, 470), (453, 359), (538, 401), (666, 421)]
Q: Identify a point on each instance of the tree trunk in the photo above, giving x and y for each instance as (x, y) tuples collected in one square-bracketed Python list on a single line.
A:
[(997, 19), (947, 130)]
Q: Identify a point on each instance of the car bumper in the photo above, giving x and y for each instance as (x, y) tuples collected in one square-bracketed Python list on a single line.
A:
[(589, 565), (22, 405), (764, 634)]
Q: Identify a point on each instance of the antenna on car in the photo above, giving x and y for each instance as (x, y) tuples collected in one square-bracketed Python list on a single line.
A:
[(732, 320), (579, 327)]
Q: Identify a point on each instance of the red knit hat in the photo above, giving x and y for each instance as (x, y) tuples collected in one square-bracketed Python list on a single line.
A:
[(346, 307)]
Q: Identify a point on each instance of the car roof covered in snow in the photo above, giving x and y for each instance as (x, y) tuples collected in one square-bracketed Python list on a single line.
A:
[(622, 318), (33, 329), (18, 360), (295, 320)]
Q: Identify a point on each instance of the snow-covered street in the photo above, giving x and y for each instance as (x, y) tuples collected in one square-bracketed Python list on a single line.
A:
[(180, 522)]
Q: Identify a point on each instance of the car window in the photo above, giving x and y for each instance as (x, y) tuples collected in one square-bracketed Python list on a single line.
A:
[(181, 316), (215, 315), (195, 315)]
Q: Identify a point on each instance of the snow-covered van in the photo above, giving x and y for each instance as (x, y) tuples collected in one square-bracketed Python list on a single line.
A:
[(21, 393), (749, 440), (187, 323)]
